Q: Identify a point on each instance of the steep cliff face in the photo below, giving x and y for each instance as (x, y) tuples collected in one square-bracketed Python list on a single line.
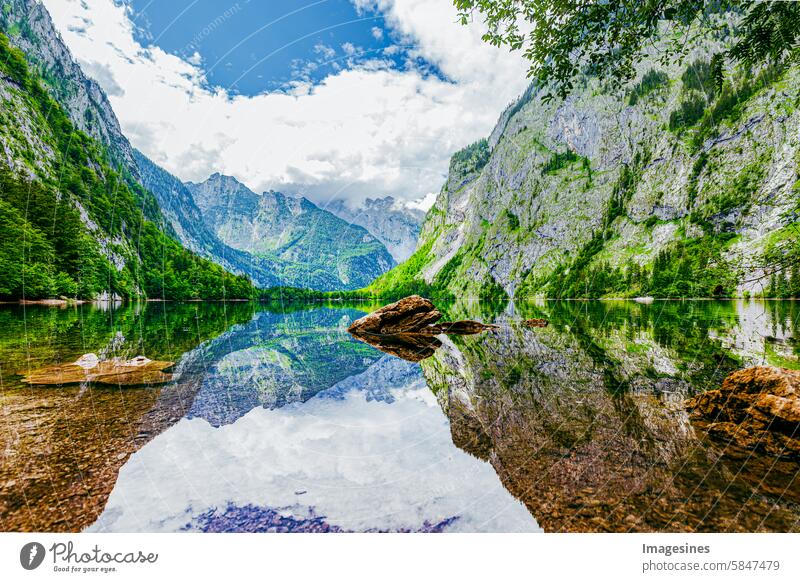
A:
[(600, 193), (311, 247), (395, 225), (30, 28)]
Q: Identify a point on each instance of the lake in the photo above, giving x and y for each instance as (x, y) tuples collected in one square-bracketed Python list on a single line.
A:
[(276, 419)]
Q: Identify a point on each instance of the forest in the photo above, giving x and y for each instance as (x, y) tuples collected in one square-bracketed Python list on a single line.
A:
[(121, 245)]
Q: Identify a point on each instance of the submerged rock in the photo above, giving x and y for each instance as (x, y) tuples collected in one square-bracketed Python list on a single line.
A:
[(410, 314), (756, 408), (88, 368)]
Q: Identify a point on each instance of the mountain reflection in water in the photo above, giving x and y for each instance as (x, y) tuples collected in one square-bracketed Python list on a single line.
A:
[(278, 420)]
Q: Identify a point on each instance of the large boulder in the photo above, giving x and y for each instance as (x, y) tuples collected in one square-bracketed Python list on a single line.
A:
[(756, 408), (409, 315)]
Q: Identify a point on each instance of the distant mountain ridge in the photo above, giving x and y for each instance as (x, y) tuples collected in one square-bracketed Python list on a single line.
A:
[(310, 247), (179, 207), (397, 226)]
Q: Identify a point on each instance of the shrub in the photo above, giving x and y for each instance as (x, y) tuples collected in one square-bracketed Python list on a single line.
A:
[(651, 81), (688, 113)]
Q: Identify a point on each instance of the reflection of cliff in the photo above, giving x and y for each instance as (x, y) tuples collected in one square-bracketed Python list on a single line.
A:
[(62, 447), (589, 444)]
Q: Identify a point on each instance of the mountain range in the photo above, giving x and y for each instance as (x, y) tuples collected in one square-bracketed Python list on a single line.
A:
[(308, 246), (271, 238), (672, 186)]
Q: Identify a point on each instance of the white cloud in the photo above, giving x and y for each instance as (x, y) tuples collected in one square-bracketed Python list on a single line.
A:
[(424, 203), (349, 48), (195, 59), (325, 51), (377, 33), (362, 131)]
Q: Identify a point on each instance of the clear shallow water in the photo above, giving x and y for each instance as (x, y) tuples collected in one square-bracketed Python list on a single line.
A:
[(278, 420)]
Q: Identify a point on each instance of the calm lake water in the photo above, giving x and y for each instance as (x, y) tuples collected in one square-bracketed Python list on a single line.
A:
[(276, 419)]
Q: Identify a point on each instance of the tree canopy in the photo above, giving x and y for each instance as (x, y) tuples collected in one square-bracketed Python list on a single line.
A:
[(563, 38)]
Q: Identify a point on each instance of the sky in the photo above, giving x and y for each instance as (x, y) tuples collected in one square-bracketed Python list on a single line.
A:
[(331, 99)]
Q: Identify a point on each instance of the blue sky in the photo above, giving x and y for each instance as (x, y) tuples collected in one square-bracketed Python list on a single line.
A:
[(331, 99), (251, 46)]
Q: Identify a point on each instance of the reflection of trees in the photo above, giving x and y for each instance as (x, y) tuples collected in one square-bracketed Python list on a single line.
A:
[(157, 330), (76, 438), (683, 327)]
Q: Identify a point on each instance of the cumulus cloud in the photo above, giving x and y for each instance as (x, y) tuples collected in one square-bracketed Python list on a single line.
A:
[(364, 130), (424, 203), (103, 74)]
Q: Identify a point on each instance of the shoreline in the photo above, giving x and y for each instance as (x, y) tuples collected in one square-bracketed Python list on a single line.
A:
[(639, 300), (69, 302)]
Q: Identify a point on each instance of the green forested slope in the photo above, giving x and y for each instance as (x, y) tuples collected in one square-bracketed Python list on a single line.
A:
[(73, 225)]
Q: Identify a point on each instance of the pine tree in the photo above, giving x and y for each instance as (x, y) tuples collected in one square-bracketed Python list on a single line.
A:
[(772, 290), (794, 282)]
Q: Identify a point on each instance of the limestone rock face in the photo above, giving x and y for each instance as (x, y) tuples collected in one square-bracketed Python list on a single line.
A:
[(85, 102), (511, 213), (409, 315), (756, 408)]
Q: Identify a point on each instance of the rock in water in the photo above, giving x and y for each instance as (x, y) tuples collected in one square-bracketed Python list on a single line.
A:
[(408, 329), (464, 327), (88, 368), (757, 408), (409, 315)]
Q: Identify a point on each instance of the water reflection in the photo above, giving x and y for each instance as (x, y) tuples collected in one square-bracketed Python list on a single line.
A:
[(412, 347), (278, 420), (277, 359), (62, 446), (583, 421), (372, 453)]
